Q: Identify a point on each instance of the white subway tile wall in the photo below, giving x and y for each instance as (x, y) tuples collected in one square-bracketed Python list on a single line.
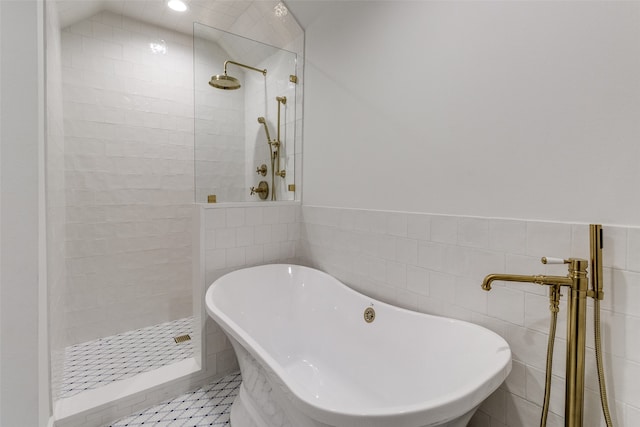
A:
[(237, 237), (128, 123), (436, 263)]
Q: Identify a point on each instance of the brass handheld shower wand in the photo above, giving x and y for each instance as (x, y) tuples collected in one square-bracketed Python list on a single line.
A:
[(595, 238), (266, 129)]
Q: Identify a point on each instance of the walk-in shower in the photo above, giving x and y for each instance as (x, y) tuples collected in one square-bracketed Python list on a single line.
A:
[(122, 235), (134, 130)]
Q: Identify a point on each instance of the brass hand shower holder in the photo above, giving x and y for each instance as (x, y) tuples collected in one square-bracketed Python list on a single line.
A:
[(282, 100), (577, 282), (274, 146)]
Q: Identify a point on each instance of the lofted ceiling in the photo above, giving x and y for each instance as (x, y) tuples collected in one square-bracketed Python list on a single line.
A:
[(256, 20)]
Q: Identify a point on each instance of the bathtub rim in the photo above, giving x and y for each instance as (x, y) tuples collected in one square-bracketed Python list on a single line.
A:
[(439, 409)]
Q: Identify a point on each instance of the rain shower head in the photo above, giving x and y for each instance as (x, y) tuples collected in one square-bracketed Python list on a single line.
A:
[(226, 82), (223, 81)]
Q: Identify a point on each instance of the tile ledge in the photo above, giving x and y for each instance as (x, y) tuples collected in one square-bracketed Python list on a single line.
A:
[(94, 400), (248, 204)]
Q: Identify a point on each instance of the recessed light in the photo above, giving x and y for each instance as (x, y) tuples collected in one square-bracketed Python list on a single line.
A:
[(177, 5), (280, 10)]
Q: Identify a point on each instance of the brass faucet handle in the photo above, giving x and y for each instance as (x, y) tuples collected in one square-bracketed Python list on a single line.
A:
[(262, 190), (551, 260), (262, 170)]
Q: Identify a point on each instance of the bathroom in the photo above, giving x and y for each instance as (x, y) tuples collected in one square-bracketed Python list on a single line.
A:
[(411, 94)]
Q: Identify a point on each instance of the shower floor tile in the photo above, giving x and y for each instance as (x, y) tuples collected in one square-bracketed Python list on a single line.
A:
[(207, 406), (96, 363)]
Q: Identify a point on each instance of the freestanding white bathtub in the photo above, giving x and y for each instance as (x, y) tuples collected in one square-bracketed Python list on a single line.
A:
[(309, 359)]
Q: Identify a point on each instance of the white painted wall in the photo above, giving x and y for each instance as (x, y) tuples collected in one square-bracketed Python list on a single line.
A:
[(524, 110), (23, 381)]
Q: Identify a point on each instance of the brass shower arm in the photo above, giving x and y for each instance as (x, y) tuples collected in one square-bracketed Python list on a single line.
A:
[(264, 72)]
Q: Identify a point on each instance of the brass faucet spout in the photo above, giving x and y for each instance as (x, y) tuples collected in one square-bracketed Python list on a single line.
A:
[(537, 279)]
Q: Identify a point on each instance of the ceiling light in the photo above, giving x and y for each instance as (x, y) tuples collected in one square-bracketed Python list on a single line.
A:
[(177, 5), (280, 10)]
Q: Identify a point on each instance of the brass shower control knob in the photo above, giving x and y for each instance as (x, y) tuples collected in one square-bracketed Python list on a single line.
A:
[(262, 170), (262, 190)]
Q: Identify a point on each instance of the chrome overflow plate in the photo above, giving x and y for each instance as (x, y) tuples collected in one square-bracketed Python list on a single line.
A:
[(369, 314)]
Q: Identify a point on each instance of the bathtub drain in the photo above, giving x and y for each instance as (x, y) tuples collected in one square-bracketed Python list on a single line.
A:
[(369, 314)]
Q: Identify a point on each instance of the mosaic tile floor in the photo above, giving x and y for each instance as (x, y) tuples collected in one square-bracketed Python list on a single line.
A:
[(97, 363), (208, 406)]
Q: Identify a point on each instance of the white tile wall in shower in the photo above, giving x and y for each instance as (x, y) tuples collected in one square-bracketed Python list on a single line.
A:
[(260, 101), (220, 149), (128, 116), (374, 252)]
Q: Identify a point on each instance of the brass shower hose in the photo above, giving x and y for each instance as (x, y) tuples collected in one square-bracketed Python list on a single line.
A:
[(554, 307), (554, 302), (598, 342)]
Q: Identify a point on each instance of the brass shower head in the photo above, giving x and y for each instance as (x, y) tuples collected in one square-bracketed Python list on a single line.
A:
[(226, 82)]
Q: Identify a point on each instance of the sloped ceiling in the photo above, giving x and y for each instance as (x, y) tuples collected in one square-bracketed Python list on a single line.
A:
[(252, 19)]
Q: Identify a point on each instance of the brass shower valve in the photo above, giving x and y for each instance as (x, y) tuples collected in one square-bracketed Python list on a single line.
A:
[(258, 190), (262, 190)]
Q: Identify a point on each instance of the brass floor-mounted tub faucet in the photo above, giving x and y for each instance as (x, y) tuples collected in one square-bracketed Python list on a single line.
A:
[(577, 282)]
